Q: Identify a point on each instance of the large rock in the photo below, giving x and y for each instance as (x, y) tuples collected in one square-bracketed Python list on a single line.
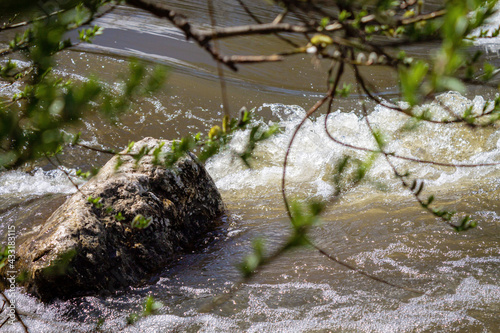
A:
[(84, 249)]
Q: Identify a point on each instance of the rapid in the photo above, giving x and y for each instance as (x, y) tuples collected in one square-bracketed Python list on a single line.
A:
[(377, 227)]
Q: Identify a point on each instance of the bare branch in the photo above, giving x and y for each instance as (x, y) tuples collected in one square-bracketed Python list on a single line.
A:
[(256, 19), (24, 45), (255, 29), (105, 151), (254, 59), (406, 112), (297, 129), (423, 17), (280, 17), (4, 322), (59, 167), (248, 11), (182, 23), (220, 70), (359, 271), (7, 26)]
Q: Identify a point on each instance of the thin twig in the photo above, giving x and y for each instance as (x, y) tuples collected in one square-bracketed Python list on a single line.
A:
[(412, 159), (416, 194), (281, 16), (25, 23), (250, 59), (255, 29), (407, 112), (59, 167), (99, 150), (182, 23), (5, 321), (357, 270), (330, 95), (422, 17), (257, 20), (18, 317), (249, 12), (308, 7), (24, 45), (315, 107), (226, 296), (220, 70)]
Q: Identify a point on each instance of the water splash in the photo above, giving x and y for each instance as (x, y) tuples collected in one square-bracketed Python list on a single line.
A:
[(314, 154), (36, 183)]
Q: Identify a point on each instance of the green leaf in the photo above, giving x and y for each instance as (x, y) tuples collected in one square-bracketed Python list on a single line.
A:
[(465, 224), (411, 78), (447, 83), (488, 71), (4, 255), (324, 22), (141, 222), (252, 261), (344, 15), (345, 91), (156, 79), (151, 306), (379, 138), (132, 318), (96, 202)]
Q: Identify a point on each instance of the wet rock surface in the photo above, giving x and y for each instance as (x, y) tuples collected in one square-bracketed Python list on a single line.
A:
[(88, 248)]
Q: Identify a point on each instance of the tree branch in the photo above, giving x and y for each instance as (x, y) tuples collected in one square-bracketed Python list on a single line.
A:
[(423, 17), (92, 17), (276, 20), (244, 59), (357, 270), (182, 23), (7, 26), (255, 29)]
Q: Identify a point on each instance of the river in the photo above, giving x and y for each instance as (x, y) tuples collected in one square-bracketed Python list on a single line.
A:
[(379, 229)]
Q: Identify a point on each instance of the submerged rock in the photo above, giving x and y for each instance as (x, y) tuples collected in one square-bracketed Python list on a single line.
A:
[(86, 248)]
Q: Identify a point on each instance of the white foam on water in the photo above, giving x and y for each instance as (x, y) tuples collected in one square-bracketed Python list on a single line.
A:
[(489, 44), (197, 292), (42, 318), (36, 183), (303, 306), (314, 154), (358, 312), (7, 89)]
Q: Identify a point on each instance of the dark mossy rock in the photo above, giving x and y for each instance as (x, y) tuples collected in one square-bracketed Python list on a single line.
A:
[(86, 248)]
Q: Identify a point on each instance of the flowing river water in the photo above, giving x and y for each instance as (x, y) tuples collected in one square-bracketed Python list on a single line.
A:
[(379, 229)]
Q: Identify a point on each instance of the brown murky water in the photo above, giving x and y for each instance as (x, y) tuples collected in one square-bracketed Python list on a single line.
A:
[(383, 232)]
